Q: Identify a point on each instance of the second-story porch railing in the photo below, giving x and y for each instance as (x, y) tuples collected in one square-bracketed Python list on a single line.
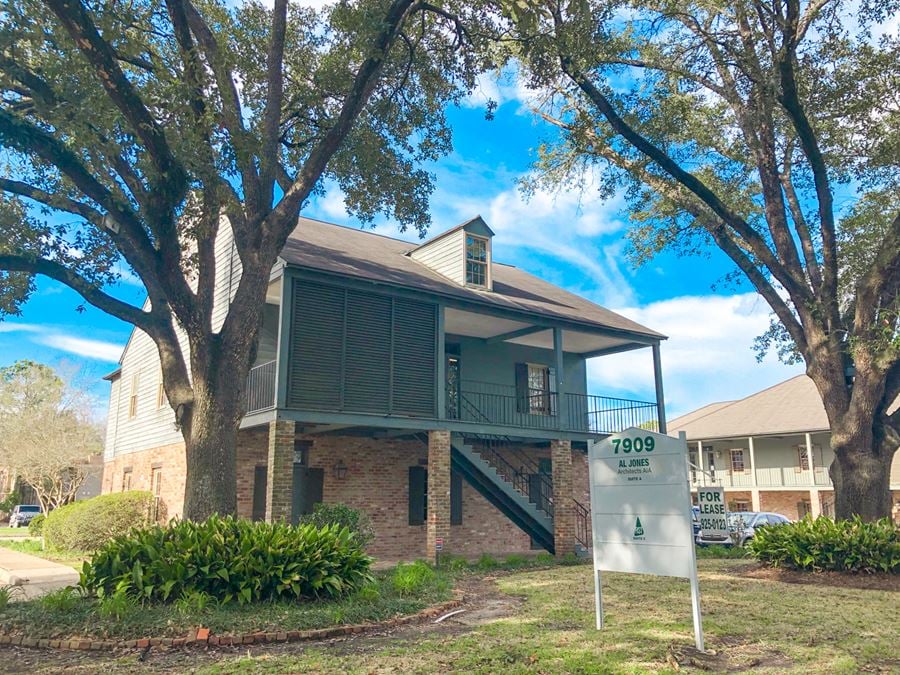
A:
[(261, 387), (501, 405)]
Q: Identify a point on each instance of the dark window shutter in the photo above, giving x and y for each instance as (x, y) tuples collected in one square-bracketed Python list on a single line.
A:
[(417, 481), (522, 388), (456, 510), (367, 375), (414, 358), (317, 333), (260, 481), (553, 390)]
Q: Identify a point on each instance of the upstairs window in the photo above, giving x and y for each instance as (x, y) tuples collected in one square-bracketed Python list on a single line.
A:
[(133, 397), (737, 460), (476, 261), (160, 392)]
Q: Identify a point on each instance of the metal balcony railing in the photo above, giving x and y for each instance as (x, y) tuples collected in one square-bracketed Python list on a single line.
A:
[(502, 405), (261, 387)]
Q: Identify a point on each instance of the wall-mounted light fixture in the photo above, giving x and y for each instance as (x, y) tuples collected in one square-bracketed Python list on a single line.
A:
[(339, 470)]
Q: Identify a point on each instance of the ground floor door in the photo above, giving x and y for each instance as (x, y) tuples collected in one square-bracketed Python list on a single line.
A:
[(308, 484)]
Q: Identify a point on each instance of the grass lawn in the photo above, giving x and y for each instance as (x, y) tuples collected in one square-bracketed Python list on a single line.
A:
[(35, 547), (750, 623), (14, 532), (67, 614)]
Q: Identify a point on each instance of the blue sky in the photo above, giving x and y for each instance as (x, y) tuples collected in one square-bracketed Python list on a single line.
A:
[(572, 239)]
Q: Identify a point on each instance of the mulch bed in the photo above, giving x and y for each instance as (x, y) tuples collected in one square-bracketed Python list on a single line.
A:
[(881, 581)]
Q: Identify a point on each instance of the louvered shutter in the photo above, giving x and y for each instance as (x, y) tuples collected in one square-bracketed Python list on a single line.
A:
[(417, 477), (367, 373), (414, 358), (315, 361), (522, 388), (456, 510), (553, 387)]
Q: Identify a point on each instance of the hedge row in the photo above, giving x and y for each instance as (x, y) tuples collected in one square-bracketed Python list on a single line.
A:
[(87, 525), (826, 544)]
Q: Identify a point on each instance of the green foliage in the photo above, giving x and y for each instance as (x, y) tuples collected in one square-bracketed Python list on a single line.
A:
[(36, 526), (230, 560), (487, 562), (826, 544), (87, 525), (408, 579), (194, 602), (358, 522), (118, 606), (62, 600), (7, 593), (717, 552)]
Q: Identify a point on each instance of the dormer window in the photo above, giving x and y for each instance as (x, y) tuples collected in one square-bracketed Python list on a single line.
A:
[(476, 261)]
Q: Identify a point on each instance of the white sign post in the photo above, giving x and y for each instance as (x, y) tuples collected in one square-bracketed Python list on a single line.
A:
[(641, 511)]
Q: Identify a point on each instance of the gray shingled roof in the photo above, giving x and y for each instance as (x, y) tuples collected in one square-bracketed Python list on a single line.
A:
[(793, 406), (365, 255)]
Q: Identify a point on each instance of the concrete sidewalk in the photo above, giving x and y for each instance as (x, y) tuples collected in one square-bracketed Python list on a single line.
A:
[(35, 576)]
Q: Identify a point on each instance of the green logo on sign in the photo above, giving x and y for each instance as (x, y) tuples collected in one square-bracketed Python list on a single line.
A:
[(638, 528)]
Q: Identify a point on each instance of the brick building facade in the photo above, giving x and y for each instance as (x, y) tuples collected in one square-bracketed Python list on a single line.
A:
[(368, 474)]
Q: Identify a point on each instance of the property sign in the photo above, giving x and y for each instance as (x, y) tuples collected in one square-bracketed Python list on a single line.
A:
[(711, 502), (641, 513)]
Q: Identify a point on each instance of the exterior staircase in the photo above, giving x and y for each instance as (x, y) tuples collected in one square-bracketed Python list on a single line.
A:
[(507, 496)]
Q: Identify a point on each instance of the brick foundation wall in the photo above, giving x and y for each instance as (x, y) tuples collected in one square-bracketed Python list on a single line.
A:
[(171, 461), (783, 502), (377, 482)]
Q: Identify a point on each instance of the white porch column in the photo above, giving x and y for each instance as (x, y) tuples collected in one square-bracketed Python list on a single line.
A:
[(815, 503), (701, 479), (809, 455), (752, 461), (754, 499)]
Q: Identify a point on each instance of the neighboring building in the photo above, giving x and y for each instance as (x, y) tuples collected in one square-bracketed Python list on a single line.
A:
[(770, 451), (440, 391)]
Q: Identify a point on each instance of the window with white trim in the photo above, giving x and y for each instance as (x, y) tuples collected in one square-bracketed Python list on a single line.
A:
[(476, 261), (160, 392), (737, 460), (133, 396)]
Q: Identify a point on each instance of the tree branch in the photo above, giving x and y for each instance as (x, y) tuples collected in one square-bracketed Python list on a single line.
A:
[(53, 200), (275, 95), (87, 290)]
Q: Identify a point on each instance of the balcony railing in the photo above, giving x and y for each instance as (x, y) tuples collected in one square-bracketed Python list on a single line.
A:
[(606, 415), (261, 387), (766, 477), (503, 405)]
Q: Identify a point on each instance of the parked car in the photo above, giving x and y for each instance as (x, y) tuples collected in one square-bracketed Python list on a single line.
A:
[(704, 538), (743, 524), (22, 514)]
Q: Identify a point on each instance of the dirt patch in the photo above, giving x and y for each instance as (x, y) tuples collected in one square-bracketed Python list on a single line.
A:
[(726, 654), (869, 582)]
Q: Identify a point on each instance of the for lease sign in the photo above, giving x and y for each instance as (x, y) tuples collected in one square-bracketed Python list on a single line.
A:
[(711, 502)]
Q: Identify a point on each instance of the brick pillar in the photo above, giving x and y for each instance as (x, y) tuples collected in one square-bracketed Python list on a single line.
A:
[(280, 471), (438, 525), (563, 504)]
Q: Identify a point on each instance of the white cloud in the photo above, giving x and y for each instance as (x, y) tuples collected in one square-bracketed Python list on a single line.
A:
[(708, 356), (90, 349), (7, 327)]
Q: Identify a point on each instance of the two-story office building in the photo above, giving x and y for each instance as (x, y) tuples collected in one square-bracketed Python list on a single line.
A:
[(443, 393), (770, 451)]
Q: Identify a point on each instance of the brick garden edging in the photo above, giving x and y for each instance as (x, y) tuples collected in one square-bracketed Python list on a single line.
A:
[(203, 638)]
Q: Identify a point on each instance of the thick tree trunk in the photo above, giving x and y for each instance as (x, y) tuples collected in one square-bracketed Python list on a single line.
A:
[(211, 448), (861, 476)]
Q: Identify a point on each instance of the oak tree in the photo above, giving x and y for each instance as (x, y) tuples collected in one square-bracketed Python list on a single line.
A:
[(132, 130), (767, 128)]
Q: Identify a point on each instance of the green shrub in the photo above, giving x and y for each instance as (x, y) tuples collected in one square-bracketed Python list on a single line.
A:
[(826, 544), (36, 526), (116, 606), (230, 560), (358, 522), (411, 578), (89, 524), (487, 562)]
